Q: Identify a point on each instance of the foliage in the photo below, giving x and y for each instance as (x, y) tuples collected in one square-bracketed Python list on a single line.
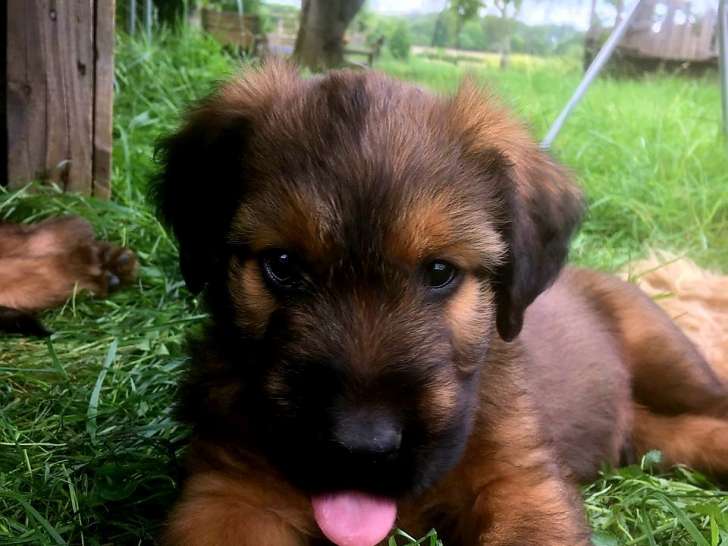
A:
[(648, 153), (400, 41), (464, 10), (441, 32), (508, 8), (249, 6), (479, 33)]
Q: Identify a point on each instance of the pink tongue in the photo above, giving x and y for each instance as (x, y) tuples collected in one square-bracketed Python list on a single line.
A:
[(351, 518)]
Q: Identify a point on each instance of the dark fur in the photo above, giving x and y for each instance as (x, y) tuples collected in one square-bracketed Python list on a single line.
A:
[(42, 264), (367, 180)]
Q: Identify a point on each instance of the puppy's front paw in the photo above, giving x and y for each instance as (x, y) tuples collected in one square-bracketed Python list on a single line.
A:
[(119, 263), (101, 267)]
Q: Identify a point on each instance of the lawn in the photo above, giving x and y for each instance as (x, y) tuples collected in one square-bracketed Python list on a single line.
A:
[(89, 449)]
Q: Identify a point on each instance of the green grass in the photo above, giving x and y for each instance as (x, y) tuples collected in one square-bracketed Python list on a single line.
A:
[(89, 451)]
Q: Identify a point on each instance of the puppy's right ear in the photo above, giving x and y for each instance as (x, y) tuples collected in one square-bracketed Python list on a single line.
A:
[(203, 169), (199, 185)]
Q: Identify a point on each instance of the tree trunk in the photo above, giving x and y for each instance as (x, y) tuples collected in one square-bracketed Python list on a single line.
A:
[(320, 40), (505, 46), (593, 15), (591, 38), (439, 34), (620, 10), (458, 30)]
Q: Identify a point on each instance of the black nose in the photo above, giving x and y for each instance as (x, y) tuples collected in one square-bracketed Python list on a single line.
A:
[(368, 432)]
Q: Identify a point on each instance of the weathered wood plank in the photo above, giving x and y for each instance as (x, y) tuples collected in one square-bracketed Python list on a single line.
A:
[(26, 92), (103, 97), (50, 82), (679, 39), (76, 32)]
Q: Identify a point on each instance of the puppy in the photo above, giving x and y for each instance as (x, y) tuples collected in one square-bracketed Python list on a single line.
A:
[(41, 265), (392, 337)]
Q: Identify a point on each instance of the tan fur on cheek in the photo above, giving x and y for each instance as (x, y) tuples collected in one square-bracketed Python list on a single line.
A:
[(250, 295), (441, 403), (468, 313)]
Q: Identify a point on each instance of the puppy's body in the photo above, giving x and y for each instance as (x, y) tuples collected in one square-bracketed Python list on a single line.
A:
[(373, 258)]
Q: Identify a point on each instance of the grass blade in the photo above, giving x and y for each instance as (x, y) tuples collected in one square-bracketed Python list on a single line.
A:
[(93, 402)]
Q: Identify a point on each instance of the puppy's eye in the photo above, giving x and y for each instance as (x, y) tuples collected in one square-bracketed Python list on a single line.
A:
[(439, 274), (281, 269)]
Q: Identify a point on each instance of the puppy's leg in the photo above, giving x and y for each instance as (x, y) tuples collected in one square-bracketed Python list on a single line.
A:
[(13, 321), (12, 238), (58, 236), (526, 502), (217, 509), (669, 375), (681, 406), (34, 283), (517, 492), (533, 507), (235, 505), (52, 236), (43, 282), (697, 441)]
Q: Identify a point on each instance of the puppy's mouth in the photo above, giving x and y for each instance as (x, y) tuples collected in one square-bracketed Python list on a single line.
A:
[(353, 518)]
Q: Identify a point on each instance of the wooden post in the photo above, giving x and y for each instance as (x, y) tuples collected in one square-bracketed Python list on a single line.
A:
[(60, 93), (103, 97)]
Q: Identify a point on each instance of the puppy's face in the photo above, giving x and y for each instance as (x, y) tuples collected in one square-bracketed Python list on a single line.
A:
[(362, 244)]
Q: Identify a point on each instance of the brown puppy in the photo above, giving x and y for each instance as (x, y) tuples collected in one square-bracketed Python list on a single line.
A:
[(42, 264), (370, 256)]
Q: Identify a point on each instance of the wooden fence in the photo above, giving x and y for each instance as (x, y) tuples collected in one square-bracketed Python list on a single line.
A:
[(59, 93)]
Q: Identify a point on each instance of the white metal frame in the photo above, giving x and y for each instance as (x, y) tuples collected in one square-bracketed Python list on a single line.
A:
[(608, 49)]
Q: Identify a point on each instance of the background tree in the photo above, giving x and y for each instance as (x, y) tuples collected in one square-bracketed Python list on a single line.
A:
[(464, 10), (441, 32), (320, 40), (508, 11), (400, 41), (593, 17)]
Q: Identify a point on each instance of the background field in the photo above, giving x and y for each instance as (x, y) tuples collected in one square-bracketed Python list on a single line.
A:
[(89, 451)]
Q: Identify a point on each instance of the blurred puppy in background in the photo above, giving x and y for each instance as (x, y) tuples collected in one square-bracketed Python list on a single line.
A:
[(41, 265), (695, 298)]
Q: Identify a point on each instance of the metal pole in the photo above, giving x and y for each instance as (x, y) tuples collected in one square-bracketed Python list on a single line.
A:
[(132, 16), (148, 19), (605, 53), (723, 40)]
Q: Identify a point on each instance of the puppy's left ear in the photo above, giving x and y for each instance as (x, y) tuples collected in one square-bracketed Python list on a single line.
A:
[(539, 206), (544, 209)]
